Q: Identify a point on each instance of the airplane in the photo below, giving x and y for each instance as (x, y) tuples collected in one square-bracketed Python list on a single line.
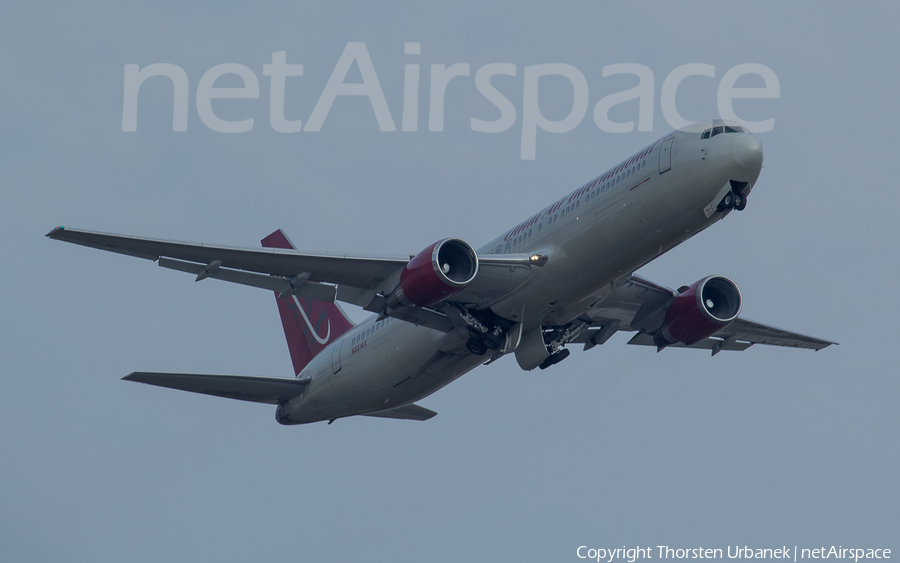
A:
[(564, 276)]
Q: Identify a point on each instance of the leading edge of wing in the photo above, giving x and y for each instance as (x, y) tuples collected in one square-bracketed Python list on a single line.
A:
[(358, 270), (271, 390)]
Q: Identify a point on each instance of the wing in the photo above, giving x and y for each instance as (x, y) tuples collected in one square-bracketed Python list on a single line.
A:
[(637, 304), (409, 412), (358, 279), (271, 390), (359, 271)]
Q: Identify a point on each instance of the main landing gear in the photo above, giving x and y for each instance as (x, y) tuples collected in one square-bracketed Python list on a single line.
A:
[(555, 358), (487, 331), (491, 340), (733, 201), (476, 346)]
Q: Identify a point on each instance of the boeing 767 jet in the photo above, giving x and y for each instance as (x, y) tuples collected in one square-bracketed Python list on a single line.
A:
[(560, 278)]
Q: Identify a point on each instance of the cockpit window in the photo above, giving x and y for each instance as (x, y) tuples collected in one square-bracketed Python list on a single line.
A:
[(720, 129)]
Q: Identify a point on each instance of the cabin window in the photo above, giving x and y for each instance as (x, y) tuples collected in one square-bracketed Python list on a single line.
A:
[(577, 203)]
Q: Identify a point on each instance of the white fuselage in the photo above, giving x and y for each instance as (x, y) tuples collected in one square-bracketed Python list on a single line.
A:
[(594, 236)]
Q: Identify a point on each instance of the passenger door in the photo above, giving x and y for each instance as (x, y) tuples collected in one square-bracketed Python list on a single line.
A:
[(665, 155), (336, 355)]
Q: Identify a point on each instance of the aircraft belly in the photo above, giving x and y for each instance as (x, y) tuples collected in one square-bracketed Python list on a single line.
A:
[(402, 368)]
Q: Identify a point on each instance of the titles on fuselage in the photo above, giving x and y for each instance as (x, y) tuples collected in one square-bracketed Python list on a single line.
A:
[(612, 172)]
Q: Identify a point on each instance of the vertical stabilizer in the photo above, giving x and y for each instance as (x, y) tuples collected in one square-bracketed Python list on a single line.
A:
[(309, 325)]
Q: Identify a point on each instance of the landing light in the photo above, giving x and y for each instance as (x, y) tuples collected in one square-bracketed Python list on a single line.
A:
[(535, 257)]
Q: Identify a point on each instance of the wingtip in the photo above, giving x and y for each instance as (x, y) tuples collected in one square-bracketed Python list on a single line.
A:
[(55, 232)]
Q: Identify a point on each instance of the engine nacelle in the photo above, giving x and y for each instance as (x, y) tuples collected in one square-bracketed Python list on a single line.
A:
[(436, 273), (700, 311)]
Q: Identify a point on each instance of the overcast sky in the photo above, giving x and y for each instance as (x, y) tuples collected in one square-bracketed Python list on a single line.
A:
[(616, 446)]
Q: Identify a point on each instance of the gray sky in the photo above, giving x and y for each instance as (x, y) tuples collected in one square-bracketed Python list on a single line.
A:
[(617, 446)]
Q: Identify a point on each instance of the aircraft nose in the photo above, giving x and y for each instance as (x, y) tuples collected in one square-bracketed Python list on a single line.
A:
[(747, 151)]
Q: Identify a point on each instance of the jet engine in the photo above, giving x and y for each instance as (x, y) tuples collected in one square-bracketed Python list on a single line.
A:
[(436, 273), (700, 311)]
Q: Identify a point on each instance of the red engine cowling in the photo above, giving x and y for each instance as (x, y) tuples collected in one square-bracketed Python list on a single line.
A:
[(701, 310), (436, 273)]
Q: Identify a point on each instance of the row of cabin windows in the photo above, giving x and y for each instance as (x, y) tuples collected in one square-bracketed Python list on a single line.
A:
[(591, 195), (363, 335), (603, 188), (723, 129)]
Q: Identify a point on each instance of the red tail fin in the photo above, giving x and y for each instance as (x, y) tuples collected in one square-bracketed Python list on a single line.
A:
[(309, 325)]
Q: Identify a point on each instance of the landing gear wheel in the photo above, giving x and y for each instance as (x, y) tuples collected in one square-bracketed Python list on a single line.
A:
[(554, 359), (740, 202), (476, 346), (491, 341), (727, 202)]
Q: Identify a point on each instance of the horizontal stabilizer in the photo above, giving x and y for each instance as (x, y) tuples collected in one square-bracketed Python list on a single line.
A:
[(271, 390), (409, 412)]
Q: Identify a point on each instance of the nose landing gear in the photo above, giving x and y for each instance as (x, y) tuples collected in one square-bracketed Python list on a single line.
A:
[(733, 201)]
